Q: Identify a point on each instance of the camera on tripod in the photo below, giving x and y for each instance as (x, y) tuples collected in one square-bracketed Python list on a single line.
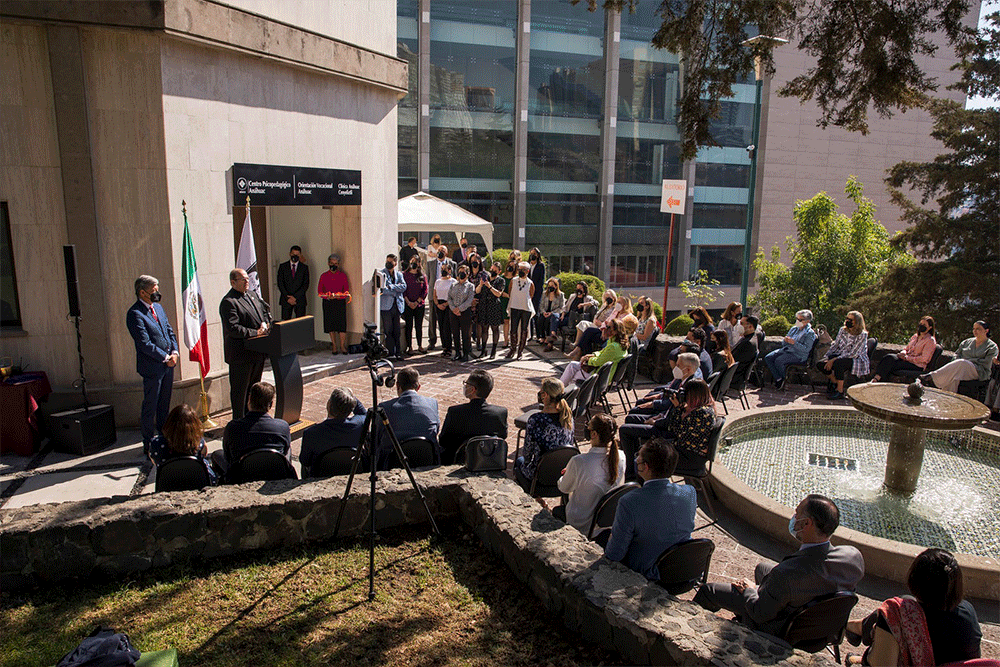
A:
[(371, 345)]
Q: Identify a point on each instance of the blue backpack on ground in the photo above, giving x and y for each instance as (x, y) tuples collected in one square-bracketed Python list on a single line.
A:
[(103, 648)]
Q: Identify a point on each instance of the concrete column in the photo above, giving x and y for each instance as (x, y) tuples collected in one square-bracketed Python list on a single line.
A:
[(424, 96), (609, 134), (73, 130), (523, 50)]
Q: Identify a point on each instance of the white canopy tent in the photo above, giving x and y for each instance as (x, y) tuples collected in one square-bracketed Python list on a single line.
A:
[(421, 212)]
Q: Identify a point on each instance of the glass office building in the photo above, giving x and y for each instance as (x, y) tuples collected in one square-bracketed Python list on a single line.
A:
[(557, 124)]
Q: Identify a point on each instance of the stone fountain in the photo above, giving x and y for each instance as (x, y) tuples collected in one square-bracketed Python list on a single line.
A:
[(911, 410)]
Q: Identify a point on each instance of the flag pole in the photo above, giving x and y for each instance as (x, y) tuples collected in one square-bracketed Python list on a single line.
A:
[(206, 421)]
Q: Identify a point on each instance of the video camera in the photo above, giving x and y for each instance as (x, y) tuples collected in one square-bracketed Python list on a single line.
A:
[(371, 345), (680, 394)]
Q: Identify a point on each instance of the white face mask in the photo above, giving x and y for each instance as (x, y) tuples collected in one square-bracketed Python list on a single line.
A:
[(678, 373), (800, 324)]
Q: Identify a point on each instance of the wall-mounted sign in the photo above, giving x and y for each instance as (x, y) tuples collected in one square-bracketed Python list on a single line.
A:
[(273, 185), (672, 197)]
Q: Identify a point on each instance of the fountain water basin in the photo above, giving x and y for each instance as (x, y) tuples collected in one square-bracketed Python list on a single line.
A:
[(911, 411)]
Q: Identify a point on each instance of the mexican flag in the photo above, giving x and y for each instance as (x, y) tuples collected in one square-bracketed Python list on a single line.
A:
[(195, 324)]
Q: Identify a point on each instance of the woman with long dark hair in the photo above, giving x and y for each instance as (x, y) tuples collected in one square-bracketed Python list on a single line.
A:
[(591, 475), (182, 436)]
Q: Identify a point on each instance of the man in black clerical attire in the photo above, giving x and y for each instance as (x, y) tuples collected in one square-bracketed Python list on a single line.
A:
[(243, 316), (293, 283)]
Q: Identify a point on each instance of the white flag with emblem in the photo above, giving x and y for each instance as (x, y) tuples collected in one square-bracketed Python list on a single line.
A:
[(246, 258)]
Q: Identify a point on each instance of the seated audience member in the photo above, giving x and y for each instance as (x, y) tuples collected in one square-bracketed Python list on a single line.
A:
[(745, 350), (849, 352), (654, 518), (590, 475), (657, 401), (410, 415), (477, 417), (688, 421), (579, 306), (694, 342), (704, 321), (592, 339), (552, 304), (648, 326), (182, 436), (730, 323), (343, 427), (795, 349), (549, 429), (722, 358), (914, 357), (255, 430), (614, 349), (933, 626), (816, 569), (972, 361), (609, 309)]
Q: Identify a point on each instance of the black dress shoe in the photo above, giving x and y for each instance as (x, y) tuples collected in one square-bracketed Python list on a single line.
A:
[(457, 357), (778, 384), (927, 380), (465, 357)]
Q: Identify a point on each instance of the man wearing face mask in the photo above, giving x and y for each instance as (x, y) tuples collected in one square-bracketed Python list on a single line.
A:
[(460, 298), (391, 305), (334, 290), (461, 253), (435, 263), (795, 350), (816, 569), (293, 281), (155, 355)]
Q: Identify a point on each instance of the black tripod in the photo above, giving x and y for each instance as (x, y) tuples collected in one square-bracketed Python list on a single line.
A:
[(368, 444)]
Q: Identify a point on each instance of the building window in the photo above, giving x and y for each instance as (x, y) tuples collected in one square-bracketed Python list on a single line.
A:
[(10, 308), (723, 263)]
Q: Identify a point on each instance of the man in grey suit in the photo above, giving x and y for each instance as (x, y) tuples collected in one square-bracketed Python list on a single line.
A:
[(817, 568), (410, 415), (434, 265)]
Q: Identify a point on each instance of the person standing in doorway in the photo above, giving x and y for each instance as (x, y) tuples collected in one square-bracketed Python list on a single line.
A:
[(336, 294), (293, 283)]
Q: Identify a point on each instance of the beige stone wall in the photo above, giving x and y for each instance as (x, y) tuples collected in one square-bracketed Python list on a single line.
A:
[(364, 23), (801, 159), (221, 107), (31, 184)]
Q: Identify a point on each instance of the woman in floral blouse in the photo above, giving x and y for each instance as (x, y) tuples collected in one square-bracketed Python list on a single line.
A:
[(691, 423), (849, 352), (549, 429)]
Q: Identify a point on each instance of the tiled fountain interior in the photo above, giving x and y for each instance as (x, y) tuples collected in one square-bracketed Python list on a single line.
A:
[(785, 455)]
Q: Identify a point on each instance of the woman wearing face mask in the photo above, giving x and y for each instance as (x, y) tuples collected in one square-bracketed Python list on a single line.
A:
[(536, 272), (914, 357), (616, 343), (477, 273), (508, 275), (973, 361), (592, 340), (414, 297), (730, 323), (552, 303), (441, 288), (432, 249), (488, 313), (648, 325), (609, 308), (522, 291), (460, 298), (848, 352), (335, 293), (703, 320)]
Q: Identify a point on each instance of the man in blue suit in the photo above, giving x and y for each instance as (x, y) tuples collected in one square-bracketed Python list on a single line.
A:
[(155, 355), (410, 415), (342, 428), (654, 518)]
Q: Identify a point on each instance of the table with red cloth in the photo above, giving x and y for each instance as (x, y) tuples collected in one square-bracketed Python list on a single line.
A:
[(20, 431)]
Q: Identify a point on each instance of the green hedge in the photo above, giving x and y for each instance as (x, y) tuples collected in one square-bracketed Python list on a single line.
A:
[(568, 281), (777, 325), (679, 326), (503, 254)]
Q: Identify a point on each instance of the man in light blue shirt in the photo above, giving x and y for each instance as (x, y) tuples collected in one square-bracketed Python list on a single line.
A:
[(390, 302), (798, 343), (654, 518)]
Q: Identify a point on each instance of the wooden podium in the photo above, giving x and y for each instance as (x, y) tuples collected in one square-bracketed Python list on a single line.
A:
[(282, 345)]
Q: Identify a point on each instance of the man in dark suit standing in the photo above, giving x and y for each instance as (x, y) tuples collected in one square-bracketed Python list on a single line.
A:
[(345, 419), (243, 316), (462, 252), (293, 283), (410, 415), (817, 568), (155, 355), (477, 417), (255, 430)]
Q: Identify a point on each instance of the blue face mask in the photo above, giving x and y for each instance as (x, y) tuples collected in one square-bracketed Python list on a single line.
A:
[(791, 527)]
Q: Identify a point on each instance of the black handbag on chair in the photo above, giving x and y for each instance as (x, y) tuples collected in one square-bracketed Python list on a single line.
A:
[(485, 453)]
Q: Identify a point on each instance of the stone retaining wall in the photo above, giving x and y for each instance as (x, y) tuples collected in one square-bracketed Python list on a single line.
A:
[(604, 601)]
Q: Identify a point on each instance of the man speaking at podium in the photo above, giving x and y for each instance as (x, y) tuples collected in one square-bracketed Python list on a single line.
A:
[(243, 315)]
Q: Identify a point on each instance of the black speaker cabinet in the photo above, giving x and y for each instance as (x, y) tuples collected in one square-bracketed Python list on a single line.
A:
[(81, 431), (72, 286)]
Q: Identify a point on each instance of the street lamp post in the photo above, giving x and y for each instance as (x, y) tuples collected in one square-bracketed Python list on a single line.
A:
[(752, 150)]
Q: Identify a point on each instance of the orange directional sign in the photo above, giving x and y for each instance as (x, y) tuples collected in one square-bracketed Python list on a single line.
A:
[(672, 197)]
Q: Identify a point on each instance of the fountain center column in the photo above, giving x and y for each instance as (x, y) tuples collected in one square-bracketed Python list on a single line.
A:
[(904, 459)]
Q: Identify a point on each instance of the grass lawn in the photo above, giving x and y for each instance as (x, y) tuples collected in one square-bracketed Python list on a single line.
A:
[(439, 602)]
